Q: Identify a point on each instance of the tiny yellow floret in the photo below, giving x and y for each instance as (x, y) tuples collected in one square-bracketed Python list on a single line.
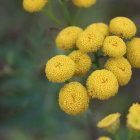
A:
[(82, 61), (84, 3), (102, 84), (123, 27), (101, 27), (67, 38), (133, 52), (104, 138), (34, 5), (114, 46), (121, 68), (73, 98), (60, 68), (90, 41), (110, 123)]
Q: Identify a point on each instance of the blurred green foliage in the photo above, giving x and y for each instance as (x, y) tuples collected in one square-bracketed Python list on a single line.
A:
[(28, 101)]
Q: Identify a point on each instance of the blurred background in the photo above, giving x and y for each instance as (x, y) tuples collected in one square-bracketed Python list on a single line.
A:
[(28, 101)]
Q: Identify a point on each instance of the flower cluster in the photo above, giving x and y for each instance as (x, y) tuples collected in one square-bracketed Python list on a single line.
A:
[(111, 123), (101, 83), (38, 5)]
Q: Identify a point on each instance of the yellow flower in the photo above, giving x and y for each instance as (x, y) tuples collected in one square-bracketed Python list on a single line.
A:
[(121, 68), (60, 68), (111, 123), (90, 41), (73, 98), (101, 27), (133, 122), (34, 5), (114, 46), (104, 138), (84, 3), (67, 38), (135, 109), (123, 27), (133, 118), (102, 84), (83, 62), (133, 52)]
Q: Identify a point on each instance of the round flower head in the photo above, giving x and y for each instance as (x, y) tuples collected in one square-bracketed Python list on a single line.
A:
[(102, 84), (133, 122), (104, 138), (123, 27), (101, 27), (133, 52), (90, 41), (84, 3), (34, 5), (60, 68), (114, 46), (67, 38), (82, 61), (121, 68), (73, 98), (111, 123), (135, 109)]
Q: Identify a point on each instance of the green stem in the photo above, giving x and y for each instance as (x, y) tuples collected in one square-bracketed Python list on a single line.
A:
[(52, 17), (130, 135), (66, 12), (77, 14), (117, 136)]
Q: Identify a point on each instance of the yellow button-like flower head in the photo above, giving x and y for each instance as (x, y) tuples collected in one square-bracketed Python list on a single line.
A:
[(73, 98), (111, 123), (90, 41), (60, 68), (133, 118), (101, 27), (133, 122), (34, 5), (104, 138), (114, 46), (67, 38), (123, 27), (82, 61), (121, 68), (133, 52), (102, 84), (84, 3)]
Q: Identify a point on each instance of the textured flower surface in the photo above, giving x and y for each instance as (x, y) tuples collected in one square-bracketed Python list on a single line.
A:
[(73, 98), (123, 27), (133, 52), (102, 84), (104, 138), (60, 68), (110, 123), (84, 3), (101, 27), (82, 61), (114, 46), (90, 41), (67, 38), (121, 68), (34, 5)]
